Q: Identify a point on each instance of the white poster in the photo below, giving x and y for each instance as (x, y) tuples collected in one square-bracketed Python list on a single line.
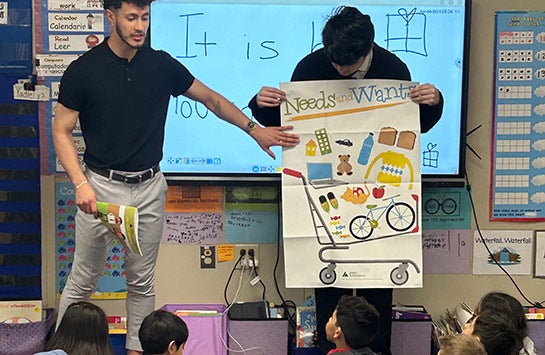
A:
[(511, 249), (74, 5), (540, 254), (351, 189), (75, 22), (74, 42), (53, 64), (3, 13)]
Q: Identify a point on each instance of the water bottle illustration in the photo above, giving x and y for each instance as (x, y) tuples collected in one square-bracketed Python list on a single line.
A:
[(365, 151)]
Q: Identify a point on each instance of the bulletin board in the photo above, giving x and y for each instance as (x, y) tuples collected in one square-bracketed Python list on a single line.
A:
[(64, 29), (518, 135), (16, 34)]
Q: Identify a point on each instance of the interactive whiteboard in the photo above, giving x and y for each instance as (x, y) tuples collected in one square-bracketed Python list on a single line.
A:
[(237, 47)]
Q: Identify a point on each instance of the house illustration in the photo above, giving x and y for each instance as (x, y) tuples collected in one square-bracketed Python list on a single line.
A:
[(310, 148)]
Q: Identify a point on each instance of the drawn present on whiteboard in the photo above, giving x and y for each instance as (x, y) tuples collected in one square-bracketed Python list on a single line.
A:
[(430, 156), (406, 32)]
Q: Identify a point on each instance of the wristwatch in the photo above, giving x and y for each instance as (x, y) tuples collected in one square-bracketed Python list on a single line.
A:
[(250, 127)]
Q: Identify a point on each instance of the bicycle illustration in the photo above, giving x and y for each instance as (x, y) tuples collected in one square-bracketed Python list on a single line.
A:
[(400, 216)]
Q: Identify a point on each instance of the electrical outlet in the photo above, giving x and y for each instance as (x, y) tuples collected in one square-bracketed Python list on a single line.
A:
[(208, 257), (245, 259)]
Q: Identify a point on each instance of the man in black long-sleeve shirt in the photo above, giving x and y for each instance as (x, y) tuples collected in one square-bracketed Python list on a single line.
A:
[(316, 66), (350, 53)]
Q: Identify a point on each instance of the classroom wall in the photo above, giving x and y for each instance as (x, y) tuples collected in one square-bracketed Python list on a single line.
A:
[(180, 279), (445, 291)]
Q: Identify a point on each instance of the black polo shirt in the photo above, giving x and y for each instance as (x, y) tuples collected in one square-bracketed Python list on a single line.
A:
[(122, 105)]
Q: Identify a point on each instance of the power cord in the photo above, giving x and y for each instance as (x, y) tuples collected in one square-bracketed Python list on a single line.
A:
[(251, 254), (242, 254), (239, 290), (468, 187), (286, 305), (242, 285), (240, 349)]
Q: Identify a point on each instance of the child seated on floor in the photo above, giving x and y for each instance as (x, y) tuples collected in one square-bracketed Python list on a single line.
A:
[(352, 326), (460, 344), (163, 333)]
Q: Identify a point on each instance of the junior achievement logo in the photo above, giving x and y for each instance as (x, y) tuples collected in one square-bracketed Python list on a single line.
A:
[(352, 275)]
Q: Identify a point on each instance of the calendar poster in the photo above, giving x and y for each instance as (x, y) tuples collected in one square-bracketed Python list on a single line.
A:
[(518, 132)]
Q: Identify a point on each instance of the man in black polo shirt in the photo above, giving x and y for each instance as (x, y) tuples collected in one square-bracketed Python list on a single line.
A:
[(120, 91)]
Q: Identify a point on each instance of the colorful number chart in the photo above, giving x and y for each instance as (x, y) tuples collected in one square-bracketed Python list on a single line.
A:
[(518, 134)]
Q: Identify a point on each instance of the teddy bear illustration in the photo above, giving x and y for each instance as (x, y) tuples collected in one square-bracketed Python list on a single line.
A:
[(344, 166)]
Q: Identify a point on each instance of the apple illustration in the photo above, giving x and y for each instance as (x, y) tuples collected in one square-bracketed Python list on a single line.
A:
[(378, 192)]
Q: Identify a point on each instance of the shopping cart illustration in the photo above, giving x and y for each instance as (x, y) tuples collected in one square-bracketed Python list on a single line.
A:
[(399, 216)]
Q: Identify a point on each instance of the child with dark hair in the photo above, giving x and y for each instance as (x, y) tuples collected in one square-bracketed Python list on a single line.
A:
[(510, 306), (163, 333), (352, 326), (495, 330), (83, 330), (460, 344)]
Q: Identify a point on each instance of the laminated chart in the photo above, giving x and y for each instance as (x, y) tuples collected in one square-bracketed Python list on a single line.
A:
[(518, 139)]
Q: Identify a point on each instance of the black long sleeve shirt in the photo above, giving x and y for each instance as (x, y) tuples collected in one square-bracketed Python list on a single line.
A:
[(316, 66)]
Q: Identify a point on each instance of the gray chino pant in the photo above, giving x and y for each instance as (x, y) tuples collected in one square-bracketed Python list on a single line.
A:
[(93, 241)]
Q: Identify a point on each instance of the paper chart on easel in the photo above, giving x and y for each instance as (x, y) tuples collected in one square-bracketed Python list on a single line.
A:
[(351, 189)]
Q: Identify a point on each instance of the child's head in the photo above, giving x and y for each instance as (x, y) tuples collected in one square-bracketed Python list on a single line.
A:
[(495, 330), (83, 330), (163, 332), (354, 322), (508, 305), (461, 344)]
